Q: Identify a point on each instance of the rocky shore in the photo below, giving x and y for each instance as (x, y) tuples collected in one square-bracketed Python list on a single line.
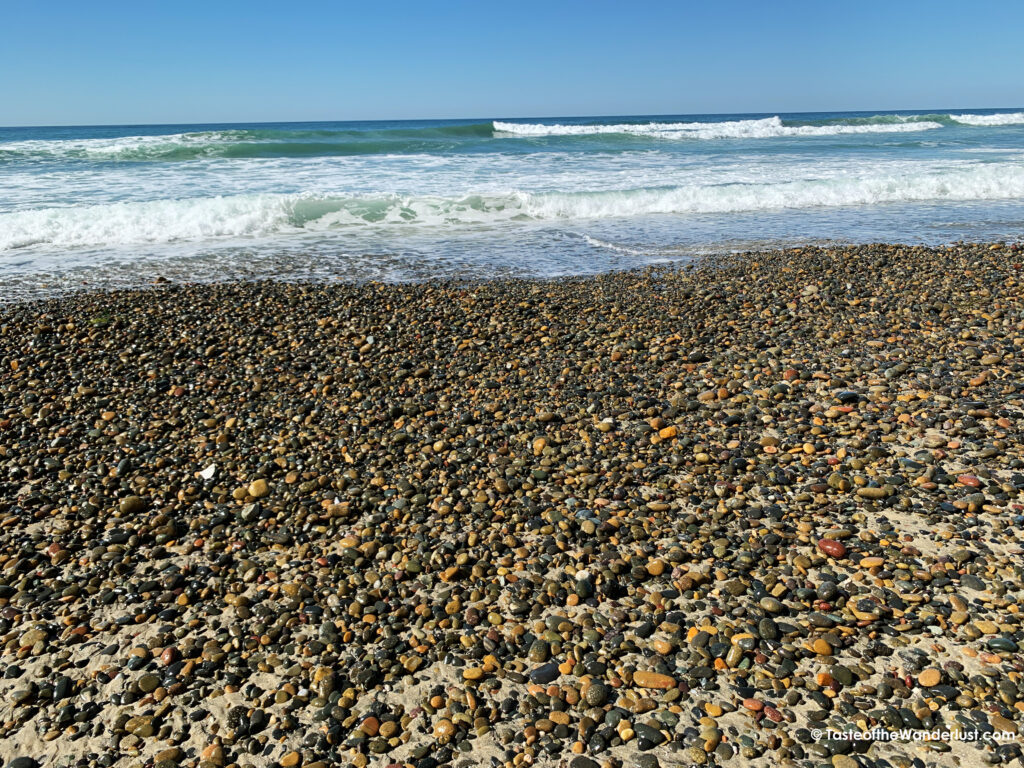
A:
[(707, 515)]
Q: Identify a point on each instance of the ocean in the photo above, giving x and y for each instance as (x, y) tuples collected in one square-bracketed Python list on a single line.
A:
[(124, 205)]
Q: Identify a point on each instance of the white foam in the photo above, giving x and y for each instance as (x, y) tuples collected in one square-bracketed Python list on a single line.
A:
[(157, 221), (604, 244), (1005, 118), (257, 215), (769, 127), (111, 147), (984, 182)]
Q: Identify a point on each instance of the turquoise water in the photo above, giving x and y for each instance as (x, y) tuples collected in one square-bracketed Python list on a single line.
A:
[(479, 198)]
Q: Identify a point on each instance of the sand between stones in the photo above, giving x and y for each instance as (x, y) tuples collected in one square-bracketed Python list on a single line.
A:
[(652, 518)]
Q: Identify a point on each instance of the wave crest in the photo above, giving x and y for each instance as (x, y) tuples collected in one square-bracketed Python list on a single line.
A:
[(246, 142), (1003, 118), (768, 127), (125, 146)]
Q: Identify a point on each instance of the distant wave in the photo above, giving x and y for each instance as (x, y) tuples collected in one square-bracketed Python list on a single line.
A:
[(442, 139), (1004, 118), (241, 143), (201, 219), (101, 148), (768, 127)]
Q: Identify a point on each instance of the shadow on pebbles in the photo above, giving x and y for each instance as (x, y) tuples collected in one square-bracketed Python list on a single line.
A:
[(709, 515)]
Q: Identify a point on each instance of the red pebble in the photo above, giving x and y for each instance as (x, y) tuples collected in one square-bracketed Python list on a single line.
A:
[(832, 548)]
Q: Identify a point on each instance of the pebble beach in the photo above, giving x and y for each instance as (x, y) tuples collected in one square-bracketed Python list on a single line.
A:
[(707, 514)]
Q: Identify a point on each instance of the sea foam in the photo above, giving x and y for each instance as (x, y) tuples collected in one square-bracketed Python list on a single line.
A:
[(156, 221), (769, 127), (1004, 118), (100, 148), (249, 216)]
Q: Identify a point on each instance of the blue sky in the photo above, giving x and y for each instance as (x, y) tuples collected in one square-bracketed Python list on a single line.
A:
[(111, 62)]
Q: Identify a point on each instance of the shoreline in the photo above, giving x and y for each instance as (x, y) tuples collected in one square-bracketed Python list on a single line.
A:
[(670, 515), (699, 256)]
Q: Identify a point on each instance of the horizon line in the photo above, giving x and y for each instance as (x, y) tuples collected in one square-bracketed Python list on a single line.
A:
[(928, 110)]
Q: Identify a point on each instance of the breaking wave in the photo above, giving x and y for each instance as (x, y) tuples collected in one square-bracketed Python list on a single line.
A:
[(247, 216), (433, 138), (247, 142), (1003, 118), (768, 127)]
